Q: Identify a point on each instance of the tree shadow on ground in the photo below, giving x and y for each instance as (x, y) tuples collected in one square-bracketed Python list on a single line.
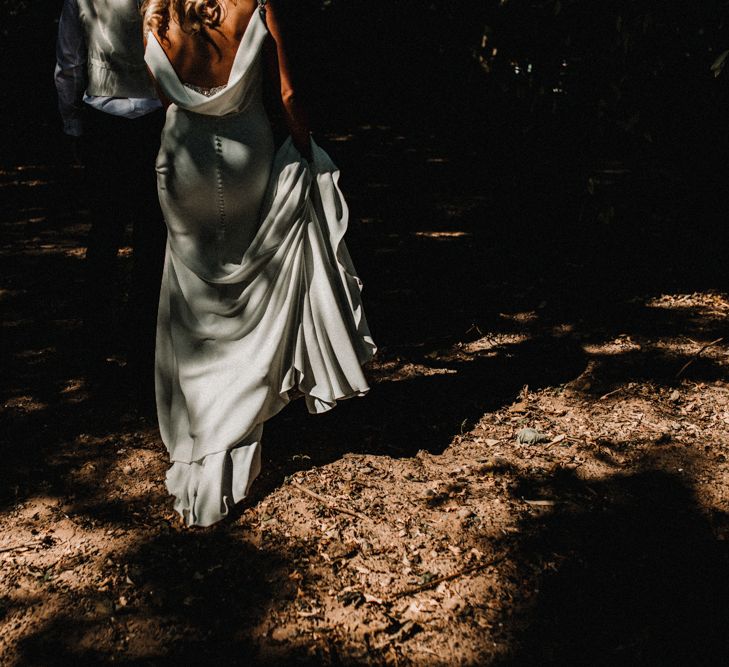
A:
[(399, 418), (204, 590), (626, 570), (443, 395), (638, 576)]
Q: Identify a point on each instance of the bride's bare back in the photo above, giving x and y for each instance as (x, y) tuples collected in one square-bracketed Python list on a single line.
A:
[(205, 60)]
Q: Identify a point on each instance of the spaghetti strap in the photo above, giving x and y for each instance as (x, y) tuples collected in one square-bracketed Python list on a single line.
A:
[(262, 8)]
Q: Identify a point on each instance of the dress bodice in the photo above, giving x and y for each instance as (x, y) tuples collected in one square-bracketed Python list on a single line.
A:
[(243, 84)]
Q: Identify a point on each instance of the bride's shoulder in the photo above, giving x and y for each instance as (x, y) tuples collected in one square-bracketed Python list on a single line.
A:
[(238, 13)]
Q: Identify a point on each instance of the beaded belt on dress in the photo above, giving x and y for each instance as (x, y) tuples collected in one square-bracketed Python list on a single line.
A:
[(208, 92)]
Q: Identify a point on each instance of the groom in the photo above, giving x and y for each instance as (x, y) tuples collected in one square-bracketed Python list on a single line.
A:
[(112, 119)]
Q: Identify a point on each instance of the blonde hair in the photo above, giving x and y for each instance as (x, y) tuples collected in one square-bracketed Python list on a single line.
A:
[(195, 17)]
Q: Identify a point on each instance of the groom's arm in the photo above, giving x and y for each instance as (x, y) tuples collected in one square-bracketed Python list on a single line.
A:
[(70, 74)]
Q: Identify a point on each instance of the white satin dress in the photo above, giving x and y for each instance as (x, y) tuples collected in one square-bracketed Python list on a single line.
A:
[(259, 297)]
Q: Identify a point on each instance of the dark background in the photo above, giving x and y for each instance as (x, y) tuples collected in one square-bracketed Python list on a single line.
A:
[(580, 144)]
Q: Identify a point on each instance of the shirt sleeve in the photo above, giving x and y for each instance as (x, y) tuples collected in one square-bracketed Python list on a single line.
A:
[(70, 73)]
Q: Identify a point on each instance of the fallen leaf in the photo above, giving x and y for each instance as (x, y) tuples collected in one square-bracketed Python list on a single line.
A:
[(530, 436)]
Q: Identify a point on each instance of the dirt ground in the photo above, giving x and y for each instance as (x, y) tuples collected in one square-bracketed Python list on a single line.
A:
[(510, 283), (409, 527)]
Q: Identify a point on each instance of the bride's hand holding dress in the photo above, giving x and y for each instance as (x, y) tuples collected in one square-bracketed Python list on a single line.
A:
[(259, 298)]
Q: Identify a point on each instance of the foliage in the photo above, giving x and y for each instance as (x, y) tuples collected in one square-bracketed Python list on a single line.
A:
[(630, 69), (629, 63)]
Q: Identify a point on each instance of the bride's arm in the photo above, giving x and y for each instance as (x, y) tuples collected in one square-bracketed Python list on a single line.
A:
[(278, 62), (162, 97)]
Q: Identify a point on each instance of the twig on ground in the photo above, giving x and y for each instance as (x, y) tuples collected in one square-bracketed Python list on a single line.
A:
[(18, 547), (651, 426), (611, 393), (697, 355), (447, 577), (691, 340), (331, 505)]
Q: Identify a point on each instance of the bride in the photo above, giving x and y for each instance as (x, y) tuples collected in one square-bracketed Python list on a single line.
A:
[(259, 299)]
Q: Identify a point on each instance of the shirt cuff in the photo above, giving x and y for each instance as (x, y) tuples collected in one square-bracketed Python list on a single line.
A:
[(73, 127)]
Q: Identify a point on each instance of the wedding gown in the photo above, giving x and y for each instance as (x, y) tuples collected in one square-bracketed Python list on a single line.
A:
[(259, 297)]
